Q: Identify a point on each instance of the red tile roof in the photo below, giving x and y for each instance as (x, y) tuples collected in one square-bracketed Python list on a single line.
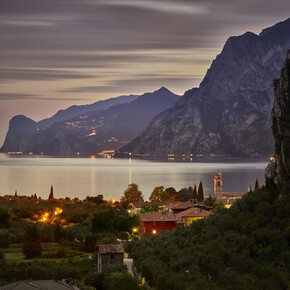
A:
[(193, 212), (182, 205), (162, 215)]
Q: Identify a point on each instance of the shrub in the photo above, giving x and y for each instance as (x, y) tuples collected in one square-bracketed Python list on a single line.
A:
[(32, 250)]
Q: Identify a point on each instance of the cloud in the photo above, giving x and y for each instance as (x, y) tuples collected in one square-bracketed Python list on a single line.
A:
[(13, 74), (15, 97), (162, 6), (126, 85)]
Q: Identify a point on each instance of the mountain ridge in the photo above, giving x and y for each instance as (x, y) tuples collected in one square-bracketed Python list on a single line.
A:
[(229, 114)]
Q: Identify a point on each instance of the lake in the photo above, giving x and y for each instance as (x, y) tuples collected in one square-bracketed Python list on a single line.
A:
[(81, 177)]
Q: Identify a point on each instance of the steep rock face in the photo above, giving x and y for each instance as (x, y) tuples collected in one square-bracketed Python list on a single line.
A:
[(229, 114), (281, 128), (21, 130)]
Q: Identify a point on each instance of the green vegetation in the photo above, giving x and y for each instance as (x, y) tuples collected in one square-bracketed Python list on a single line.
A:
[(115, 277), (244, 247), (159, 194), (113, 221), (200, 196), (131, 194)]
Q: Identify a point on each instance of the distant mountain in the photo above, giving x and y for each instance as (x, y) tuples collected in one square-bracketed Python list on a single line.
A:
[(21, 128), (229, 114), (95, 131), (71, 112)]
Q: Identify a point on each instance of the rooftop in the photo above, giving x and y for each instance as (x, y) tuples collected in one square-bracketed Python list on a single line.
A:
[(162, 215), (42, 285), (193, 212), (111, 249)]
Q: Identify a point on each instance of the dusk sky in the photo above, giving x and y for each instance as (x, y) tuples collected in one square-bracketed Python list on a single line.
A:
[(57, 53)]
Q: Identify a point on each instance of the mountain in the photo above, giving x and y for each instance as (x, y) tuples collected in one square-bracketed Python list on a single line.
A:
[(229, 114), (21, 128), (95, 131), (69, 113)]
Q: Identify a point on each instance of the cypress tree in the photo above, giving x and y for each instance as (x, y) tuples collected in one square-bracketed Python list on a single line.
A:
[(257, 184), (200, 196), (194, 196), (51, 193)]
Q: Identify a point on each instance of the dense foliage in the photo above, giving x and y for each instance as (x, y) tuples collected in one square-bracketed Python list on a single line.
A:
[(115, 277), (37, 271), (131, 194), (244, 247), (113, 221)]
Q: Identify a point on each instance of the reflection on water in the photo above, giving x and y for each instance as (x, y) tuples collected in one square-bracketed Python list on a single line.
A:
[(81, 177)]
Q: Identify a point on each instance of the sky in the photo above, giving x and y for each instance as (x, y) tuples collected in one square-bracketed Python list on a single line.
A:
[(58, 53)]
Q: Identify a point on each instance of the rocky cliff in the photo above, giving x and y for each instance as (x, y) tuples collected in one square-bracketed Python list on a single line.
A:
[(229, 114), (281, 128)]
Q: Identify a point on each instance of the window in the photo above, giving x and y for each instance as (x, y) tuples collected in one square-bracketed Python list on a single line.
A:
[(112, 256), (219, 184), (154, 223)]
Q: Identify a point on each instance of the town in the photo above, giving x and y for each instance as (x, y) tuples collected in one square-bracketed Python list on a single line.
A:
[(77, 238)]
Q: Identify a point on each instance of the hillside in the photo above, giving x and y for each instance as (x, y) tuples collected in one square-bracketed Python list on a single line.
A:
[(93, 131), (243, 247)]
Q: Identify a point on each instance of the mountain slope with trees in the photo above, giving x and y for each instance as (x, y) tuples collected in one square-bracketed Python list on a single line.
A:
[(243, 247)]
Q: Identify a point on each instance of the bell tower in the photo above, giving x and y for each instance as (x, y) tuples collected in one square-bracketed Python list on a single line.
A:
[(218, 186)]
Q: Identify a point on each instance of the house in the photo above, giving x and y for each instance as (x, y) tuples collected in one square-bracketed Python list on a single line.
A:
[(40, 285), (192, 214), (109, 255), (154, 223)]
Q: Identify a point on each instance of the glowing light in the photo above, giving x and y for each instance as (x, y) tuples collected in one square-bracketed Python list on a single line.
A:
[(154, 232), (136, 230)]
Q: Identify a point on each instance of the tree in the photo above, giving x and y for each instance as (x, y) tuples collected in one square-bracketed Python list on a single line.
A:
[(131, 194), (184, 194), (32, 249), (257, 184), (159, 194), (194, 196), (4, 218), (190, 192), (200, 196), (51, 193)]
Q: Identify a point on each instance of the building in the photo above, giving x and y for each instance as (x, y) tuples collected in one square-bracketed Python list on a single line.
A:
[(109, 255), (192, 214), (224, 197), (154, 223)]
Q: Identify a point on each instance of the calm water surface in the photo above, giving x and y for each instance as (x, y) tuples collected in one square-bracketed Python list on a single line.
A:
[(81, 177)]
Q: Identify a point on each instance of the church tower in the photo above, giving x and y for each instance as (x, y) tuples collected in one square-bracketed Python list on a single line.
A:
[(218, 186)]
